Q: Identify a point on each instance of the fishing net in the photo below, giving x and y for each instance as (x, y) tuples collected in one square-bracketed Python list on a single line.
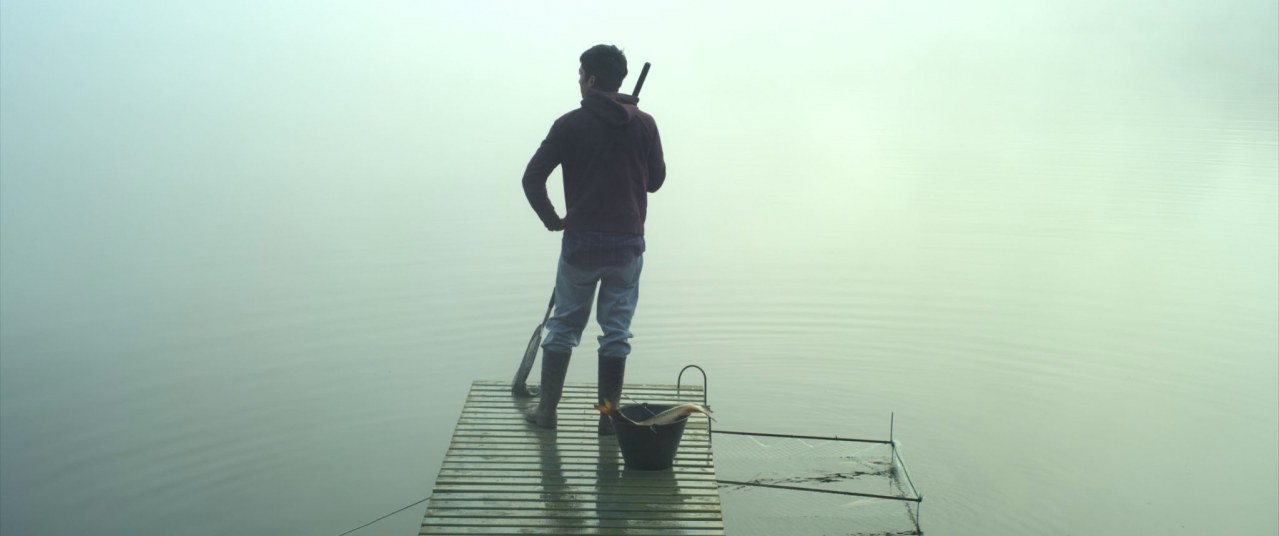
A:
[(827, 471)]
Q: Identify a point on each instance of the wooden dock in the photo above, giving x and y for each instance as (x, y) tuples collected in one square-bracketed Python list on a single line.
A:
[(502, 476)]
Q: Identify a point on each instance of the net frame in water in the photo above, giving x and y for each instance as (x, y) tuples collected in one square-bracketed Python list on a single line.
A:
[(897, 462)]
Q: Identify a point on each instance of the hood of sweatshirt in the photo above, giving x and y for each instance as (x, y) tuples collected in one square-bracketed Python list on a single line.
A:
[(615, 109)]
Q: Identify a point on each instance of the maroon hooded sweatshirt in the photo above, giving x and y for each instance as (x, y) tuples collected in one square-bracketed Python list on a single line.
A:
[(612, 158)]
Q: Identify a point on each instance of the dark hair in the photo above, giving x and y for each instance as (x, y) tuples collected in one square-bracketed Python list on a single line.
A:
[(607, 63)]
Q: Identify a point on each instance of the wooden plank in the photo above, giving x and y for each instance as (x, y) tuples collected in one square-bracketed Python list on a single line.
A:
[(554, 513), (557, 467), (571, 423), (499, 489), (503, 476), (564, 531), (447, 507), (570, 523), (516, 496), (540, 467)]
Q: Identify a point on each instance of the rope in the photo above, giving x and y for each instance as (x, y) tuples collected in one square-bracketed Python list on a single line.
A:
[(815, 490), (792, 436), (424, 499)]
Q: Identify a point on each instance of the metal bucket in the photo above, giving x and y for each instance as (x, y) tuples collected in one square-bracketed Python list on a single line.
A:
[(648, 448)]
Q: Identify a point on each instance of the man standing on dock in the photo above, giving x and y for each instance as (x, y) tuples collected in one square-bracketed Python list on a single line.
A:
[(612, 159)]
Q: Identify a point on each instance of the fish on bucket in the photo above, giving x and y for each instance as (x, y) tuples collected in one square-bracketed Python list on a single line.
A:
[(666, 417)]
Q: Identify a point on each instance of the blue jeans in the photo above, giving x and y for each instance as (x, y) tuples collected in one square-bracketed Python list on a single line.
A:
[(574, 289)]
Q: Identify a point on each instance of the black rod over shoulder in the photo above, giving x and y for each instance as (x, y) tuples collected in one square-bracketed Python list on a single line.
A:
[(639, 84)]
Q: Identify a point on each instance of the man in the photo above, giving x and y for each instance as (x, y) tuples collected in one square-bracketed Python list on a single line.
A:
[(612, 158)]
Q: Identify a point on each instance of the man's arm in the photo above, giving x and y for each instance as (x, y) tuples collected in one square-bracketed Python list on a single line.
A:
[(539, 168), (656, 163)]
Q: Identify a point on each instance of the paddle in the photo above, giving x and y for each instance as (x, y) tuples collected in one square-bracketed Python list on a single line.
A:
[(518, 385), (518, 388)]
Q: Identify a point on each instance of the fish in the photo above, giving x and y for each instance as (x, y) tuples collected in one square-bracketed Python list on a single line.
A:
[(666, 417)]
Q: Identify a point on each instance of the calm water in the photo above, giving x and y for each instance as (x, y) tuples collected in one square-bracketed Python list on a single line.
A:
[(252, 258)]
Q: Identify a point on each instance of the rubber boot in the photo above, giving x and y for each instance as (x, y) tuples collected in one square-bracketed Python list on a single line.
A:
[(554, 368), (612, 370)]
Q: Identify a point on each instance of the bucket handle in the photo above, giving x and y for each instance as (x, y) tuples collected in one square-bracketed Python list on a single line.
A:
[(679, 381)]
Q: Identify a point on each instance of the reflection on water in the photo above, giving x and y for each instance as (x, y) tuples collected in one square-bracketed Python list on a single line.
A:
[(244, 292), (578, 484)]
